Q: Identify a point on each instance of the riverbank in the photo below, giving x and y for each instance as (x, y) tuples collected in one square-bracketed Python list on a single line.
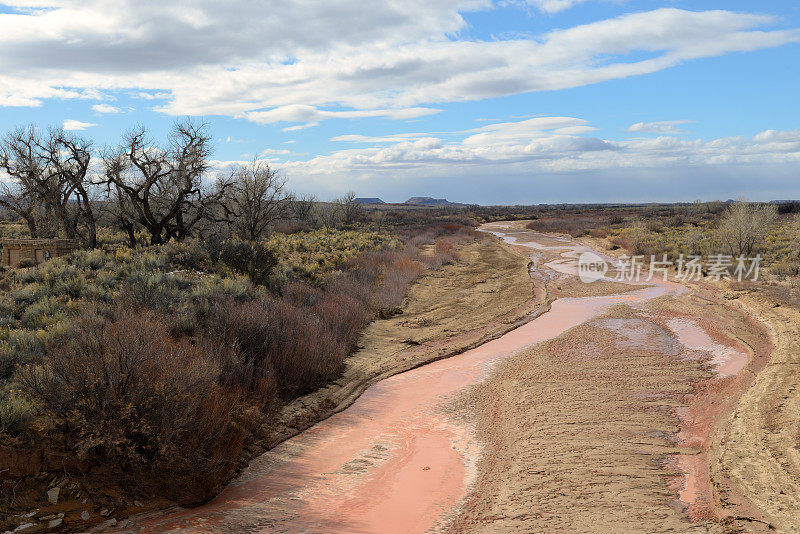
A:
[(622, 423)]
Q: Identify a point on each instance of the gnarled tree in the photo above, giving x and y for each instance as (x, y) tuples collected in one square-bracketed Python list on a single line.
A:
[(160, 188), (53, 181), (68, 184)]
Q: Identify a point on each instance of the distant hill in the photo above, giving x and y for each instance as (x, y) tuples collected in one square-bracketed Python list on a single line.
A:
[(430, 201), (368, 200)]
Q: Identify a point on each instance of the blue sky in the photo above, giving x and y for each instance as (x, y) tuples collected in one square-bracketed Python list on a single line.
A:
[(474, 100)]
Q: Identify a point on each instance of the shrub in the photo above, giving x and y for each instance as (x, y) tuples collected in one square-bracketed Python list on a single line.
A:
[(15, 413), (255, 260), (18, 347), (42, 313), (744, 226), (445, 251), (29, 294), (784, 267), (277, 341), (400, 271), (125, 391)]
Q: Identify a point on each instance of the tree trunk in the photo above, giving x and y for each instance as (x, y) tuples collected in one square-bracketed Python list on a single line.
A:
[(32, 228)]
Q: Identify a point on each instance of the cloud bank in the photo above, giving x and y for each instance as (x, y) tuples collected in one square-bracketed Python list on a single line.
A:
[(313, 60), (533, 151)]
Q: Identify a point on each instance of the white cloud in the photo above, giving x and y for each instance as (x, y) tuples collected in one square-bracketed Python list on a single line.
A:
[(151, 96), (553, 6), (304, 113), (662, 127), (322, 59), (356, 138), (274, 152), (71, 124), (533, 147), (105, 108), (297, 127)]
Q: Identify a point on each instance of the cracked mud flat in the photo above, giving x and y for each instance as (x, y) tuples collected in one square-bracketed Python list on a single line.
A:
[(580, 420)]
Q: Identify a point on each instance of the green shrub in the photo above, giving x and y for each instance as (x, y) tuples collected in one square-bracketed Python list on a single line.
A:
[(42, 313), (255, 260), (784, 267), (18, 347), (28, 294), (15, 413)]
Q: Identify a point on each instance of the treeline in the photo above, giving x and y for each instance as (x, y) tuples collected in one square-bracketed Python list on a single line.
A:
[(62, 185)]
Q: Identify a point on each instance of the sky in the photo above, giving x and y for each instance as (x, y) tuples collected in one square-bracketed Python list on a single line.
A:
[(484, 101)]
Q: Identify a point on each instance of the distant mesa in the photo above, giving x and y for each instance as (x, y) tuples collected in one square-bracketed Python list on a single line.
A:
[(368, 200), (430, 201)]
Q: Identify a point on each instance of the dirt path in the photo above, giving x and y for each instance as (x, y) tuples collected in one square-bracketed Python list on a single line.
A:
[(598, 416)]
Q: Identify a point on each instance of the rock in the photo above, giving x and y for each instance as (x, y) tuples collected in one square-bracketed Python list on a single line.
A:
[(85, 515), (104, 512), (52, 495), (55, 523), (111, 522)]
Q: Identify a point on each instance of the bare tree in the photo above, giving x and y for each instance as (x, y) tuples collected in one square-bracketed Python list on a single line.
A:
[(744, 225), (122, 214), (162, 186), (67, 186), (348, 207), (302, 208), (20, 160), (16, 198), (52, 181), (254, 197)]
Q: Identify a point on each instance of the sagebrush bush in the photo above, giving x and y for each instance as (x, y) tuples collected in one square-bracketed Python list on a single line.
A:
[(125, 390), (785, 267), (43, 313), (19, 347), (255, 260), (15, 413)]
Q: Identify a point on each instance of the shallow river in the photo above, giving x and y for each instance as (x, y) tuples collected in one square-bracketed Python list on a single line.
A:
[(400, 459)]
